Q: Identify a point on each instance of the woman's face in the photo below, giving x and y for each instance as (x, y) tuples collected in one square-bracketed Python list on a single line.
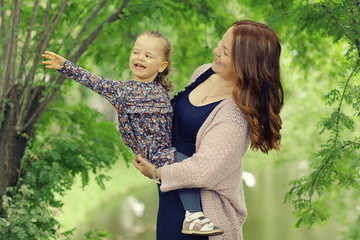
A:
[(223, 63)]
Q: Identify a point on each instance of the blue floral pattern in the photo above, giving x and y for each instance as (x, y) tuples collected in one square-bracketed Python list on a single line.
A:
[(144, 112)]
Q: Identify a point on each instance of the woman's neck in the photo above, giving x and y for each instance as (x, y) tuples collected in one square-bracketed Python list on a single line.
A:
[(214, 89), (220, 84)]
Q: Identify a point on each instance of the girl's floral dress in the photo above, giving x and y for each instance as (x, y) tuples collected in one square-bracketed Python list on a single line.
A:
[(144, 112)]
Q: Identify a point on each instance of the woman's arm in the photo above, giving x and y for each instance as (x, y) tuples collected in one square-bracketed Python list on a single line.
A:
[(218, 156), (220, 152)]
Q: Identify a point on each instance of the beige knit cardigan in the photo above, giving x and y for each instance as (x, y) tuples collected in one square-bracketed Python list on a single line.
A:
[(216, 167)]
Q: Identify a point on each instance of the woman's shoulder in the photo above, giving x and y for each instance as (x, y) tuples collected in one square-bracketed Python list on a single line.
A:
[(229, 111), (200, 70)]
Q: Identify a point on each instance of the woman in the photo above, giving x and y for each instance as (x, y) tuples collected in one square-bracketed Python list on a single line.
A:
[(232, 103)]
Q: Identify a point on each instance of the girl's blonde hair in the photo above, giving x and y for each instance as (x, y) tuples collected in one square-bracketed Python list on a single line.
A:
[(163, 76)]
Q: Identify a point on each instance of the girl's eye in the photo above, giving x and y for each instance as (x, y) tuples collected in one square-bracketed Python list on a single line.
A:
[(135, 52)]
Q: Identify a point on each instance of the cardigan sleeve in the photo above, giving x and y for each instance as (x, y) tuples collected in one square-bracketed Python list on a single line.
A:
[(221, 148)]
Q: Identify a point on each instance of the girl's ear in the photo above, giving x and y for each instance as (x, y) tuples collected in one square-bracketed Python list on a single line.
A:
[(163, 66)]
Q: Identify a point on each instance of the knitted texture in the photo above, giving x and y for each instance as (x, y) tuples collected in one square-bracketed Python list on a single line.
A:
[(216, 167)]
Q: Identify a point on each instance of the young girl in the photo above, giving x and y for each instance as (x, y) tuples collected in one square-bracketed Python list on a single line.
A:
[(144, 113)]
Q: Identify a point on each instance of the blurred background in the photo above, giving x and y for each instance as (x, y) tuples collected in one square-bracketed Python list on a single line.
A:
[(75, 174), (127, 208)]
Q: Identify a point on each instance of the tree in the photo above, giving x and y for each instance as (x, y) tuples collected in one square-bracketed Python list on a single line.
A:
[(337, 164), (314, 31), (27, 30), (25, 95)]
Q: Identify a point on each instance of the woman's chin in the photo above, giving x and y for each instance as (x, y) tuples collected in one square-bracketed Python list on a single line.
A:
[(214, 66)]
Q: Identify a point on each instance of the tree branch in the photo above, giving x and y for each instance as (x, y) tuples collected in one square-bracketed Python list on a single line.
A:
[(30, 76), (82, 31), (3, 22), (42, 107), (357, 42), (94, 34), (337, 129), (74, 25), (349, 143), (46, 13), (41, 39), (11, 46), (336, 21), (28, 37), (5, 40), (342, 99)]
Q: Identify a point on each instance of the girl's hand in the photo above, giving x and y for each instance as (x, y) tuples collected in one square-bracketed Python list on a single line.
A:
[(56, 61), (144, 166)]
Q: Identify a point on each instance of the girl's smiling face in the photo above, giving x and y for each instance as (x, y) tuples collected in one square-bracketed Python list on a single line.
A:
[(147, 58)]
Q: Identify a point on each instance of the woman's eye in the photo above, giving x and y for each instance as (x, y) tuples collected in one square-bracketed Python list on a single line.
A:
[(225, 53)]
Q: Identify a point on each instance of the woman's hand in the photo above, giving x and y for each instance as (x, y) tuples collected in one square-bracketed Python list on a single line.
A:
[(145, 167), (56, 61)]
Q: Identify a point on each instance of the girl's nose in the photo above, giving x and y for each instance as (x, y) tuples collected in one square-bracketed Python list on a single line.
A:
[(140, 57)]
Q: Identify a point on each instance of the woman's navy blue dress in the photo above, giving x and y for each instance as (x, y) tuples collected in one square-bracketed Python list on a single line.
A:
[(186, 124)]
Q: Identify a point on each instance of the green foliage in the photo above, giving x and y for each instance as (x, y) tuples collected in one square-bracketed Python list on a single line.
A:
[(323, 37), (97, 234), (354, 232), (26, 217), (337, 162), (70, 140)]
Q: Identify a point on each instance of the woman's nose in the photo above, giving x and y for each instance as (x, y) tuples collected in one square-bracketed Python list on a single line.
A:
[(216, 51)]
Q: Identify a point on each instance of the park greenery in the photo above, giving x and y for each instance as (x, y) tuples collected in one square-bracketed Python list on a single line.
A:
[(46, 139)]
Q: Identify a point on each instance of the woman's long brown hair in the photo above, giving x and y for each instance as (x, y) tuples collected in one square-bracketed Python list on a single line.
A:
[(259, 94)]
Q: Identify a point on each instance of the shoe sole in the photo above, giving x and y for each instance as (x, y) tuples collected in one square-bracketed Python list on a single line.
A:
[(204, 233)]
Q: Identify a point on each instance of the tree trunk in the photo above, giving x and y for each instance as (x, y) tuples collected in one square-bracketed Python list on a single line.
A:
[(18, 120), (12, 144)]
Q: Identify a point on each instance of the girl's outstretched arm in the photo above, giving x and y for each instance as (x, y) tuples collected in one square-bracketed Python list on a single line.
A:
[(111, 90), (56, 61)]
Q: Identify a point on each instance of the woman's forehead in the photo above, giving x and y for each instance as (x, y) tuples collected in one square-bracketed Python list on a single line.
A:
[(228, 38)]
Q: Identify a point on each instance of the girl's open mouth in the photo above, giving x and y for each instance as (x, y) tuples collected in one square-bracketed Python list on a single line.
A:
[(139, 66)]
